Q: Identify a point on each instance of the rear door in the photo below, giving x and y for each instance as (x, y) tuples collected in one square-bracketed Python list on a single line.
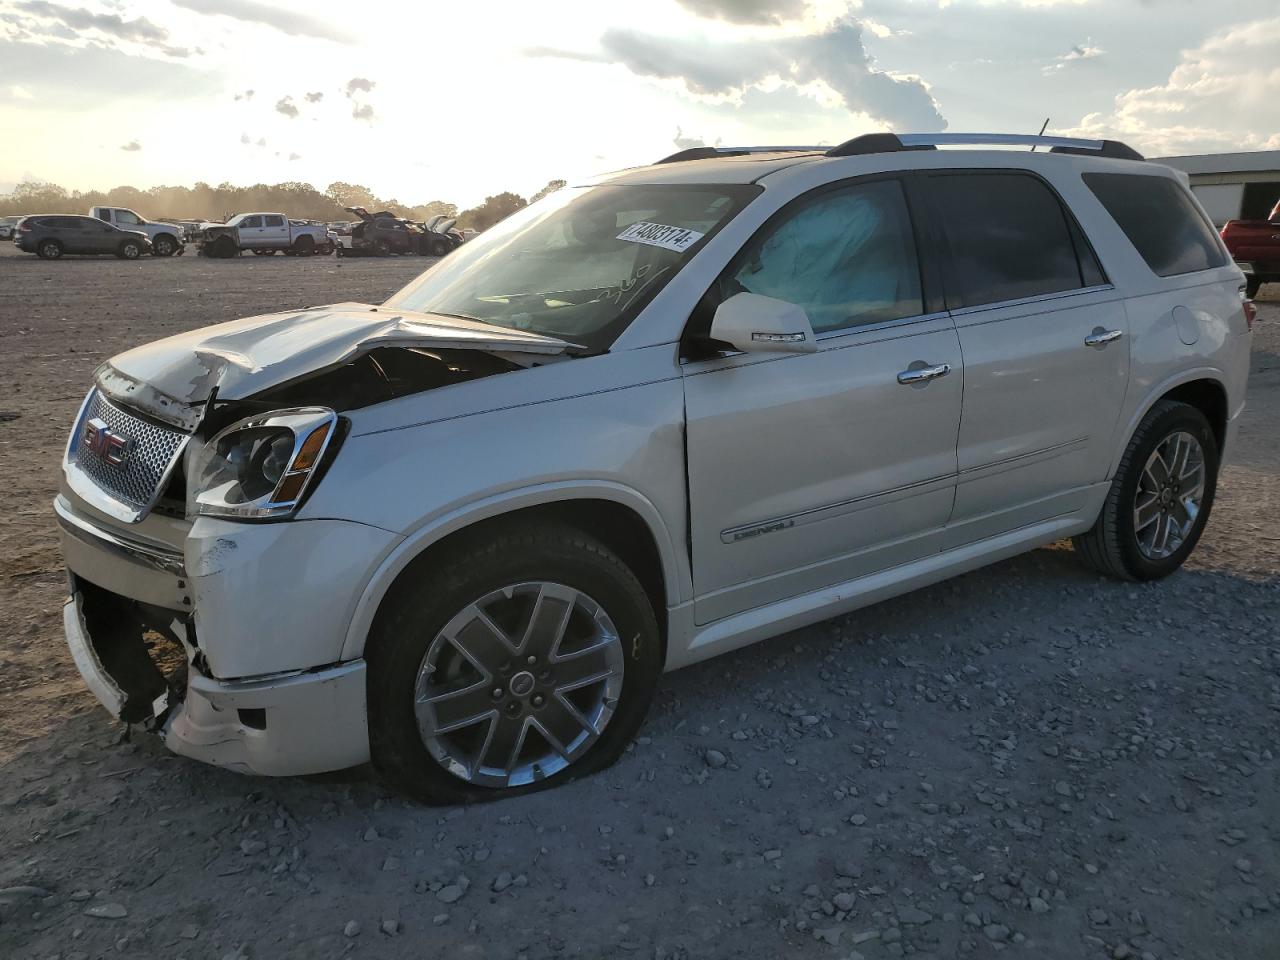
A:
[(808, 470), (82, 234), (1046, 355), (275, 231)]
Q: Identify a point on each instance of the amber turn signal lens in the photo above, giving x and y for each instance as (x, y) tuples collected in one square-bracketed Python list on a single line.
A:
[(309, 452), (289, 488)]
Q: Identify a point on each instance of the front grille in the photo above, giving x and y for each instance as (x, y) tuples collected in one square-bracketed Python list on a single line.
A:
[(152, 452)]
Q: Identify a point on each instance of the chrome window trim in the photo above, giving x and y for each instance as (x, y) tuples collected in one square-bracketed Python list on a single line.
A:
[(1032, 301)]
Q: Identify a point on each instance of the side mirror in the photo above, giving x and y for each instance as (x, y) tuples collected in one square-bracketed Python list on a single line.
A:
[(753, 324)]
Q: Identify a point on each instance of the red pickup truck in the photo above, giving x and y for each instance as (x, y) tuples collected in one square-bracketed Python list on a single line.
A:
[(1255, 245)]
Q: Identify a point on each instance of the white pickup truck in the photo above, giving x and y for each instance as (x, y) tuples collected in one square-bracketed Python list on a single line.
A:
[(263, 233), (166, 238)]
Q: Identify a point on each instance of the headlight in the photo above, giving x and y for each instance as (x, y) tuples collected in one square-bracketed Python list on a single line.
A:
[(261, 466)]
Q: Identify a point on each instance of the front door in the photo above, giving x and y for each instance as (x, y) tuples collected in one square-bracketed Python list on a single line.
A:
[(250, 230), (807, 470), (1045, 351)]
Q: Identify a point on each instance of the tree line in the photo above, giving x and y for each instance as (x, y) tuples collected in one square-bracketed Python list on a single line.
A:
[(300, 201)]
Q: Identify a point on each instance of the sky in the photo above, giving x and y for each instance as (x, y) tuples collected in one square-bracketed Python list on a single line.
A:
[(456, 100)]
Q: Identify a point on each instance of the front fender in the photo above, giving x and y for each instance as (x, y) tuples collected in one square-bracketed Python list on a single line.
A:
[(421, 539)]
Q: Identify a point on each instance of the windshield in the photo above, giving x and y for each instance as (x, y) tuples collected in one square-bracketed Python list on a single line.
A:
[(580, 263)]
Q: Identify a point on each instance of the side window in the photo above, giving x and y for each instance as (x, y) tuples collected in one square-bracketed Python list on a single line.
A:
[(107, 214), (847, 257), (1008, 236), (126, 219), (251, 222), (1160, 220), (273, 221)]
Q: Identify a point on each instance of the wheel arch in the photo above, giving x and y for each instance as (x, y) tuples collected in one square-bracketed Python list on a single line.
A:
[(1203, 388), (621, 518)]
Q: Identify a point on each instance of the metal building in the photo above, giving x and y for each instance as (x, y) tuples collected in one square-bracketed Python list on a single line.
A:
[(1232, 186)]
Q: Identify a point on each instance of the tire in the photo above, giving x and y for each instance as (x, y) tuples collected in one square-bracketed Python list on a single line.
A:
[(1251, 286), (223, 248), (164, 246), (49, 250), (129, 250), (304, 246), (525, 557), (439, 248), (381, 248), (1114, 546)]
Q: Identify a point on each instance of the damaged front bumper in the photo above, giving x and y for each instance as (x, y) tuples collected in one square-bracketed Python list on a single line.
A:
[(131, 627)]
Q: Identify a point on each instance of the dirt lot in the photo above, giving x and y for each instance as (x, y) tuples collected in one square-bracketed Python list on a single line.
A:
[(1027, 759)]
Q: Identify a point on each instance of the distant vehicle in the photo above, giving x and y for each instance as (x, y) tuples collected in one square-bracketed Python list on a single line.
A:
[(265, 232), (1255, 246), (440, 236), (50, 236), (166, 239), (383, 233), (8, 227)]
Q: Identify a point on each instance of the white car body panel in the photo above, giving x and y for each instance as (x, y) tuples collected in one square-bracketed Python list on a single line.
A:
[(777, 489)]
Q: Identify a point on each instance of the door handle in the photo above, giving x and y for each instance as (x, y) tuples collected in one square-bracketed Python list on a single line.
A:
[(1100, 337), (923, 374)]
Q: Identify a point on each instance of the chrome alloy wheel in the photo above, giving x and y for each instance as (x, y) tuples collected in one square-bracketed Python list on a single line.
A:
[(519, 684), (1170, 493)]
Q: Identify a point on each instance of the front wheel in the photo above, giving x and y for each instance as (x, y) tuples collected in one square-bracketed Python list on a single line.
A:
[(130, 250), (164, 246), (1160, 499), (512, 663)]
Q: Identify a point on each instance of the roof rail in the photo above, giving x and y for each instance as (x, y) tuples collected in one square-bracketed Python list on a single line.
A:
[(888, 143), (707, 153)]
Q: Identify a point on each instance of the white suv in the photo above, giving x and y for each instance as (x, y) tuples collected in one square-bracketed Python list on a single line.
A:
[(640, 423)]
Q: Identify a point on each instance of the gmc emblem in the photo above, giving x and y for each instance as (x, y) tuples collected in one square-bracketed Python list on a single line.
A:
[(109, 446)]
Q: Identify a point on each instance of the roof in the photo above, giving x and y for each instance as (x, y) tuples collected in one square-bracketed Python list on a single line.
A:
[(1252, 161)]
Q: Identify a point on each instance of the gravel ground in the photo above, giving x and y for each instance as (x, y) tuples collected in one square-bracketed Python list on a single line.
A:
[(1024, 759)]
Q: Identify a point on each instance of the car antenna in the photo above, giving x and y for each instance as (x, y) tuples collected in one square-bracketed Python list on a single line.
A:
[(1043, 127)]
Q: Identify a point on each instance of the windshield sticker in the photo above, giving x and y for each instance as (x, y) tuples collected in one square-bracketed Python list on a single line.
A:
[(660, 235)]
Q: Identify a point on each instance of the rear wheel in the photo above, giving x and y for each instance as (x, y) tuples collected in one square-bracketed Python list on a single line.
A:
[(381, 248), (49, 250), (530, 660), (129, 250), (164, 246), (304, 246), (1160, 499)]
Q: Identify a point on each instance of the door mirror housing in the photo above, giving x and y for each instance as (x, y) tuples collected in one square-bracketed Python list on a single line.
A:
[(753, 324)]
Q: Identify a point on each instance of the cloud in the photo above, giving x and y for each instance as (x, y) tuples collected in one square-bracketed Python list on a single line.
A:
[(359, 85), (19, 92), (355, 87), (1081, 51), (362, 111), (767, 12), (286, 21), (70, 24), (245, 138), (247, 95), (686, 143), (1219, 97), (315, 97), (133, 146), (834, 59), (286, 106), (295, 156)]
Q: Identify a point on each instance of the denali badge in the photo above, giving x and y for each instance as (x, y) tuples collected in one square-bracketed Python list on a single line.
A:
[(111, 447)]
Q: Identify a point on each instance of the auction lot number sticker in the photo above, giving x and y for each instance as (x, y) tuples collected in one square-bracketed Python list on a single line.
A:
[(660, 235)]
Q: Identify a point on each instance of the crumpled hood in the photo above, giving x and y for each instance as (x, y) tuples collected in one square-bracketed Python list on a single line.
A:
[(244, 357)]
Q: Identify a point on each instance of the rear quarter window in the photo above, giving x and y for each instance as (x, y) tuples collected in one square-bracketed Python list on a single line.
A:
[(1160, 220)]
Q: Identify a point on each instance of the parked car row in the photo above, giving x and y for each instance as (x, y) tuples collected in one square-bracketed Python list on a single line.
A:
[(127, 234)]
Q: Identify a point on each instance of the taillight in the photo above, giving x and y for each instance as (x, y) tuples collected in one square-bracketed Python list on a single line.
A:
[(24, 227), (1250, 313)]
